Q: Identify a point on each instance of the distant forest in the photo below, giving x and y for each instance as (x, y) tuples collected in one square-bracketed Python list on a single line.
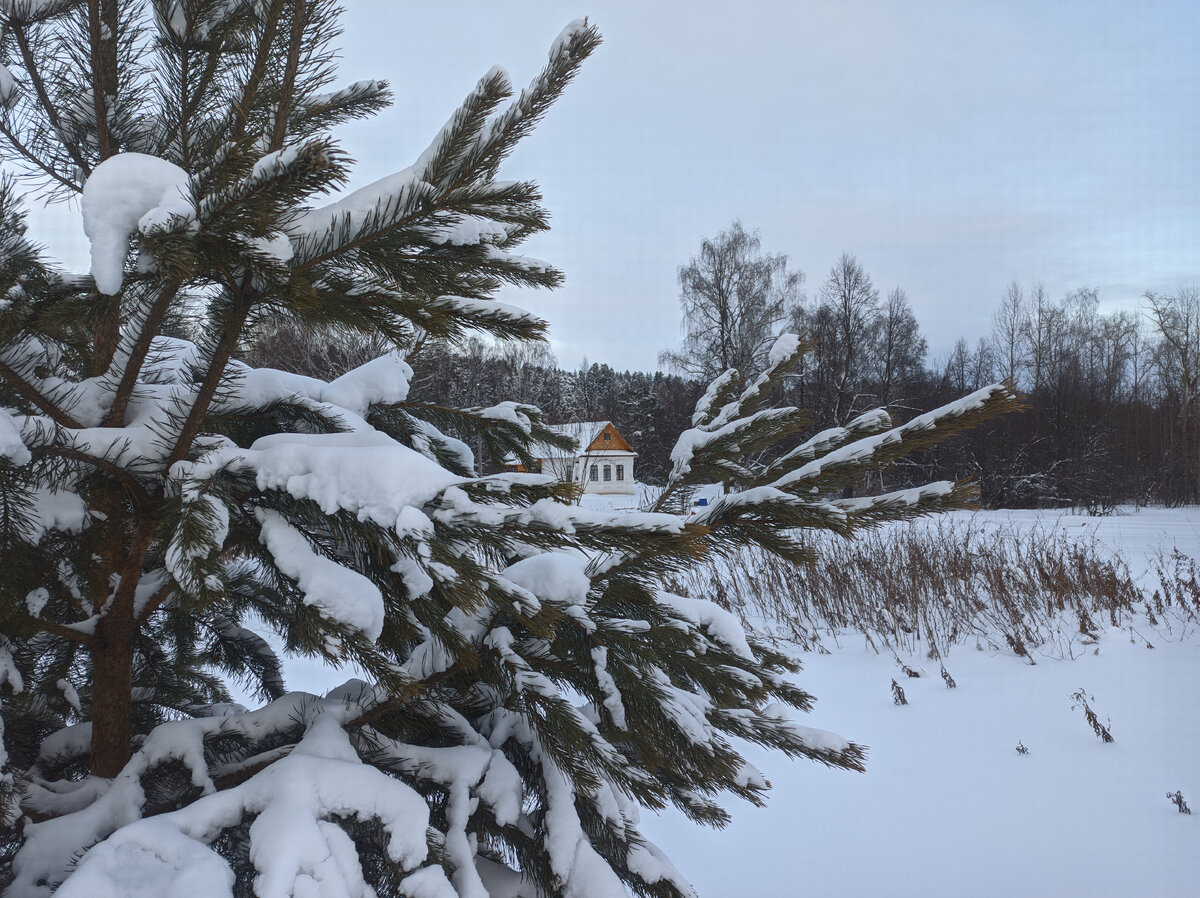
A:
[(1112, 413), (1113, 398)]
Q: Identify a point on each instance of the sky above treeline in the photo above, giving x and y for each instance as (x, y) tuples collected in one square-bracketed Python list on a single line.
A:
[(952, 147)]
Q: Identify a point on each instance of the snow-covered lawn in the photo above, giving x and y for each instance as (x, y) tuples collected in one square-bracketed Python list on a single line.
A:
[(948, 807)]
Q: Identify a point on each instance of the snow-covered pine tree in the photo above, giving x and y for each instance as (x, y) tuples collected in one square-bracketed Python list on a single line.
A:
[(528, 685)]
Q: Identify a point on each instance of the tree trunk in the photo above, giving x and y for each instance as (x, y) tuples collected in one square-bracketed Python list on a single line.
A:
[(112, 659), (112, 692)]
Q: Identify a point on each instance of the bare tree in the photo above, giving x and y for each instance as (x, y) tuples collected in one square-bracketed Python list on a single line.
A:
[(734, 300), (1177, 319), (1117, 336), (899, 348), (983, 365), (853, 304), (1007, 333), (1036, 328), (956, 375), (1142, 370), (294, 345)]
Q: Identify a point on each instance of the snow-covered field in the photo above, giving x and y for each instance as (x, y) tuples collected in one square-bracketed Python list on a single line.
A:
[(947, 806)]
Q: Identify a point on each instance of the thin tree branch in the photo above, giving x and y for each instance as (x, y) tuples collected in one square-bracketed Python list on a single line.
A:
[(258, 70), (283, 109), (396, 702), (102, 82), (30, 392), (64, 632), (212, 378), (137, 355), (37, 161), (39, 87), (250, 767), (140, 494), (156, 600)]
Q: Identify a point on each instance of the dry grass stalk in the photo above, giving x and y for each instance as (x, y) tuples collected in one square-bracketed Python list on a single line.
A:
[(930, 587)]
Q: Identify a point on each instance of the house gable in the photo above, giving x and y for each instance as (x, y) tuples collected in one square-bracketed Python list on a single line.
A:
[(608, 439), (600, 446)]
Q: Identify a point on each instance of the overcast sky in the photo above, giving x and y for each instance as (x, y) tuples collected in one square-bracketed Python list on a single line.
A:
[(951, 146)]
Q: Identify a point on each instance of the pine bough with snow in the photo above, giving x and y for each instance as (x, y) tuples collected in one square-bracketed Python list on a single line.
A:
[(528, 685)]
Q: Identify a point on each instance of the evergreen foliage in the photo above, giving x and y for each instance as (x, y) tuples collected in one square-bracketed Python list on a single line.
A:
[(529, 686)]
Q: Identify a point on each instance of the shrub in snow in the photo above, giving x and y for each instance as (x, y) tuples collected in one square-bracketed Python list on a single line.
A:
[(1179, 586), (529, 686), (1176, 799)]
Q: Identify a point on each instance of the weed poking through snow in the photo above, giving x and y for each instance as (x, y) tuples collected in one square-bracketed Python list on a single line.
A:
[(1021, 749), (1081, 701), (1177, 800), (908, 671), (950, 684), (898, 694)]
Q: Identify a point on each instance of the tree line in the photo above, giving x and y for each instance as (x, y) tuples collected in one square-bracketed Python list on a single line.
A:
[(1112, 397)]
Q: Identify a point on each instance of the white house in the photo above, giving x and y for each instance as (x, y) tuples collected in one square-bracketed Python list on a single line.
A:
[(602, 463)]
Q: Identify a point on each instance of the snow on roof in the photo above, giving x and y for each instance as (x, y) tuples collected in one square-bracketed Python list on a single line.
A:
[(582, 432)]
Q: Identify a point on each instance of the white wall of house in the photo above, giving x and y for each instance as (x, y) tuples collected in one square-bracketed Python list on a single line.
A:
[(604, 463), (613, 472)]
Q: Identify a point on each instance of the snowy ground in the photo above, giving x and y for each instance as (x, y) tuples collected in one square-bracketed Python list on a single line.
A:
[(947, 806)]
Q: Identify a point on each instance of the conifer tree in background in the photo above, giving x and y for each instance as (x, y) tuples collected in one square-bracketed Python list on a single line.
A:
[(528, 684)]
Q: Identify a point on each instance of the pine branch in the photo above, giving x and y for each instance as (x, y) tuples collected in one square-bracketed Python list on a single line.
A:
[(41, 164), (843, 465), (155, 602), (137, 491), (866, 424), (62, 631), (222, 352), (358, 100)]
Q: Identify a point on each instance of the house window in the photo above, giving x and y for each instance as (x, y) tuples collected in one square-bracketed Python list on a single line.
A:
[(607, 472), (607, 436), (594, 473), (620, 472)]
